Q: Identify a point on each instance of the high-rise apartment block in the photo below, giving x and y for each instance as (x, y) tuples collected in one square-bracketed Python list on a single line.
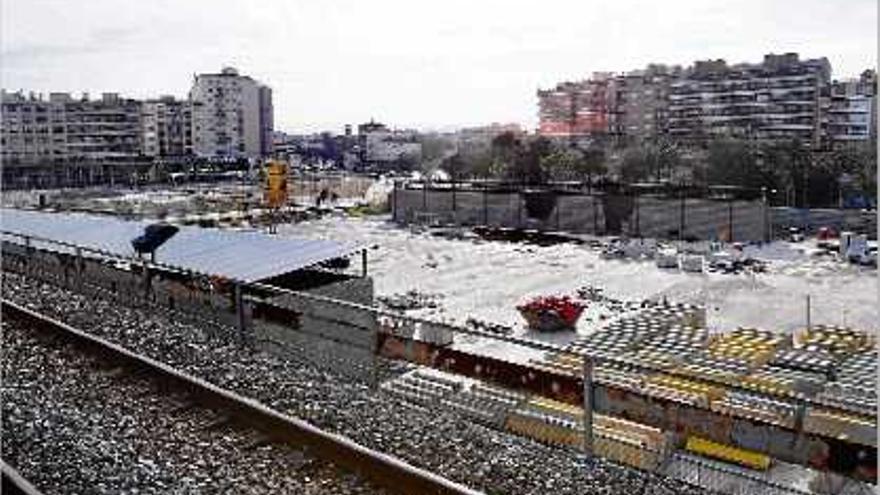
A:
[(781, 98), (166, 124), (582, 108), (643, 97), (232, 115), (63, 128), (851, 109)]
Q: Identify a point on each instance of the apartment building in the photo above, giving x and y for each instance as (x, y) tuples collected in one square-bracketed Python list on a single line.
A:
[(851, 110), (166, 127), (383, 147), (642, 96), (586, 108), (780, 98), (231, 116), (63, 128), (33, 129), (774, 100)]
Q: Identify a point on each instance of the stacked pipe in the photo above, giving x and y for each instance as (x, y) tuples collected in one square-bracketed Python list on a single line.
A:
[(835, 340), (421, 388), (783, 382), (725, 370), (768, 409), (861, 429), (792, 380), (548, 421), (623, 377), (672, 347), (855, 381), (561, 362), (809, 361), (484, 403), (629, 333), (617, 338), (628, 442), (752, 346), (684, 391)]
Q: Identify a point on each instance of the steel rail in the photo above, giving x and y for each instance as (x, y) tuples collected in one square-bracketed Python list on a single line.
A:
[(382, 469), (14, 482)]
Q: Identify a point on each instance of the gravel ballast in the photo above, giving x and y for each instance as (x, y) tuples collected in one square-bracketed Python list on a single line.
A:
[(75, 426)]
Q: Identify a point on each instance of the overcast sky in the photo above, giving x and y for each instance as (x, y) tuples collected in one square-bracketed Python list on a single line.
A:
[(421, 63)]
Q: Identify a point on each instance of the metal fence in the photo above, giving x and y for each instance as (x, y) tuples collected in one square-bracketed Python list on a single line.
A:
[(354, 340), (613, 213)]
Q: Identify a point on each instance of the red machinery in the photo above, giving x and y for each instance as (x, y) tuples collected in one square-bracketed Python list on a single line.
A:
[(549, 313)]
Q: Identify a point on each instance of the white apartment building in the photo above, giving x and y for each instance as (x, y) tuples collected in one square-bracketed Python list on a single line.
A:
[(382, 146), (851, 112), (231, 116)]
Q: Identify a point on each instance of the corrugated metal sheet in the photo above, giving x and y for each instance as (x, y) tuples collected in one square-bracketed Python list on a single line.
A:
[(244, 256)]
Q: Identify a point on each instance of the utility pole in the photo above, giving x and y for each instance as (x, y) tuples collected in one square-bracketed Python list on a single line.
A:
[(809, 322)]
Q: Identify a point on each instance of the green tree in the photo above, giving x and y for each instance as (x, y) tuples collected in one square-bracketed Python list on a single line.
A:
[(435, 147), (526, 166), (561, 164), (635, 164), (505, 148), (859, 161), (734, 163), (592, 162), (789, 163)]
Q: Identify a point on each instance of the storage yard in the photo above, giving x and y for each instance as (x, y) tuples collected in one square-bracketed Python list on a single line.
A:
[(759, 379), (437, 440), (485, 280)]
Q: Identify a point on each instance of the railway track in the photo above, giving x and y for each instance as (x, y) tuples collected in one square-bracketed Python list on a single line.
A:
[(12, 482), (247, 420)]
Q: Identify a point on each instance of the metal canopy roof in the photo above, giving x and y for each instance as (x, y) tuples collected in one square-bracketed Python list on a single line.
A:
[(243, 256)]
